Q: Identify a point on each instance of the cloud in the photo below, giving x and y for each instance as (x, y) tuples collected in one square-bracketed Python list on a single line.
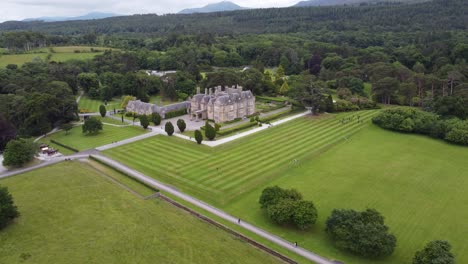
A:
[(21, 9)]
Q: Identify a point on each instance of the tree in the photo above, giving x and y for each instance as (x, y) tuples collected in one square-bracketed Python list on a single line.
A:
[(385, 89), (305, 214), (88, 81), (272, 195), (169, 128), (198, 136), (282, 212), (279, 74), (66, 127), (437, 251), (19, 152), (210, 132), (363, 233), (156, 118), (330, 106), (92, 125), (102, 110), (8, 210), (181, 125), (126, 99), (284, 88), (7, 132), (144, 121)]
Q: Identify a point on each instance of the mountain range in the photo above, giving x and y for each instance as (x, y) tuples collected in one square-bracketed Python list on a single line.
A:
[(217, 7), (89, 16)]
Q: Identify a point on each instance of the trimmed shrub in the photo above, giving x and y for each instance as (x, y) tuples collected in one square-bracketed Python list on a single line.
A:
[(210, 132), (156, 119), (198, 136), (102, 110), (181, 125), (19, 152), (144, 121), (169, 128)]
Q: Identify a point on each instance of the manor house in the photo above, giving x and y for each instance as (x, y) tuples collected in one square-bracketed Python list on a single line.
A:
[(222, 106), (142, 108)]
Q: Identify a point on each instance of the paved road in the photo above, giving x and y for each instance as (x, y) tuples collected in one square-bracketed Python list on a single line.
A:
[(243, 134), (43, 164), (275, 239)]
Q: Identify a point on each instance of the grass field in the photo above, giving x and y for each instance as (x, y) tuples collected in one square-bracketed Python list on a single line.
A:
[(76, 139), (70, 213), (60, 54), (88, 105), (418, 183), (224, 173)]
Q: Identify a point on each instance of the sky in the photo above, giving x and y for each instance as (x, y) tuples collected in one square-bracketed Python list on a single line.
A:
[(21, 9)]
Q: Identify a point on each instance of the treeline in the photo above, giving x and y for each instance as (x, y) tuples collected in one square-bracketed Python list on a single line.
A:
[(438, 15)]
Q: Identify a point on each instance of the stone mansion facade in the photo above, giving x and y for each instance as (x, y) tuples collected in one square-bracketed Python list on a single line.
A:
[(222, 106)]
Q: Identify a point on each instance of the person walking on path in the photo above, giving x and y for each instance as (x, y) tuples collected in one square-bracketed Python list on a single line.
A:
[(238, 221), (295, 244)]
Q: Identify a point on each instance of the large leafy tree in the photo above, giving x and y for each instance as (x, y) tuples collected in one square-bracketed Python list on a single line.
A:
[(437, 251), (363, 233), (92, 126), (19, 152), (8, 209)]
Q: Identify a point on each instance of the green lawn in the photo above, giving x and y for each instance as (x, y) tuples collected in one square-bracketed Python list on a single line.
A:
[(76, 139), (226, 172), (70, 213), (88, 105), (418, 183), (60, 54)]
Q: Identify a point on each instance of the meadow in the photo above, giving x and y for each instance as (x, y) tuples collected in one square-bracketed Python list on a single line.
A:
[(419, 184), (88, 105), (72, 213), (226, 172), (59, 54), (76, 139)]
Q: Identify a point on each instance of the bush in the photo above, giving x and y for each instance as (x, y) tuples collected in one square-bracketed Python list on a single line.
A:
[(8, 210), (92, 126), (272, 195), (19, 152), (144, 121), (169, 128), (435, 252), (156, 119), (181, 125), (363, 233), (210, 132), (198, 136), (411, 120), (175, 113), (345, 106), (102, 110), (234, 129), (287, 207)]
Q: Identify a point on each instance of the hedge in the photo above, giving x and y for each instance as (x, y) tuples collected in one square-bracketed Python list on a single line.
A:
[(175, 113), (236, 128), (64, 146)]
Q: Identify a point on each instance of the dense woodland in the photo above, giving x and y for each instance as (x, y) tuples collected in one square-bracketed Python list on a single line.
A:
[(414, 55)]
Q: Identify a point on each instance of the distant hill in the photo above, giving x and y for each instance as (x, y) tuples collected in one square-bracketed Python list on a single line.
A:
[(217, 7), (349, 2), (93, 15)]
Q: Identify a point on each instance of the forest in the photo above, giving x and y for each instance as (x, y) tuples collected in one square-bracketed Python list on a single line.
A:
[(416, 56)]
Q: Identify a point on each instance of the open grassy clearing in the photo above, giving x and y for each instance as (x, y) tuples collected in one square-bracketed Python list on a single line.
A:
[(226, 172), (76, 139), (88, 105), (419, 184), (71, 214), (60, 54)]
